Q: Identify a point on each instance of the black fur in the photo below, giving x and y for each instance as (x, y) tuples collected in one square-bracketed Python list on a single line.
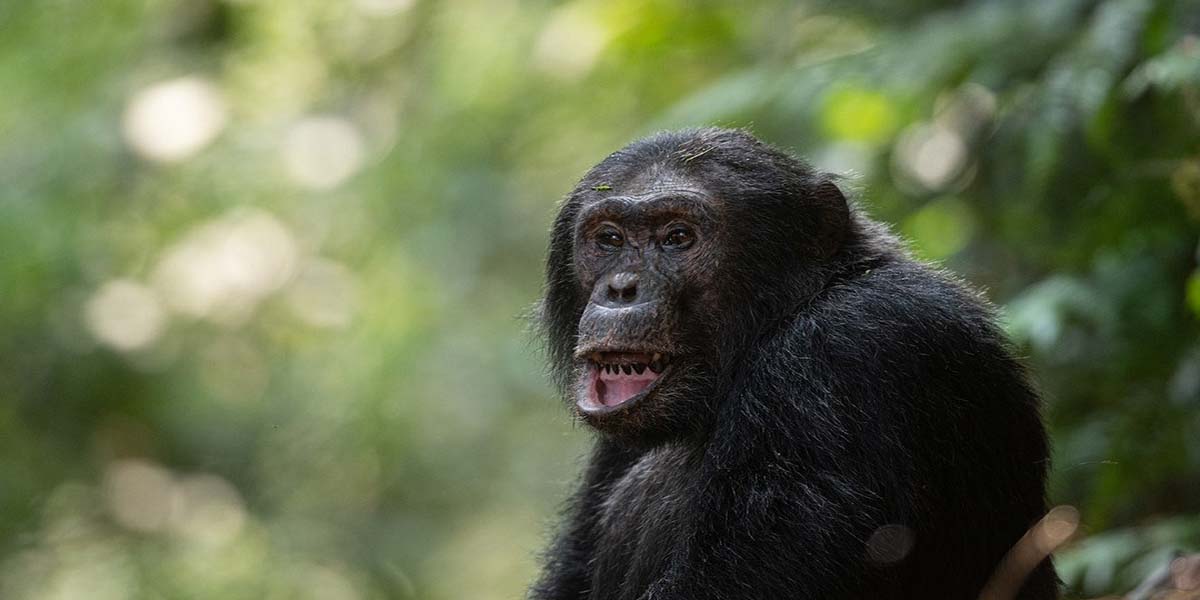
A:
[(837, 387)]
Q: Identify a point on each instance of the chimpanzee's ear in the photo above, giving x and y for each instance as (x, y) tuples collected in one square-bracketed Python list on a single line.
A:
[(832, 217)]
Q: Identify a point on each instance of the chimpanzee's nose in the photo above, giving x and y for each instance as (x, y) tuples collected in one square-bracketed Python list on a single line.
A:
[(622, 289)]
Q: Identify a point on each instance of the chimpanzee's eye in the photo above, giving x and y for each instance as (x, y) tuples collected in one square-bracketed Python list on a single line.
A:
[(610, 239), (679, 237)]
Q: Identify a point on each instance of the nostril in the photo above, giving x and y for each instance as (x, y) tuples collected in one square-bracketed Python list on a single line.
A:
[(624, 295), (622, 288)]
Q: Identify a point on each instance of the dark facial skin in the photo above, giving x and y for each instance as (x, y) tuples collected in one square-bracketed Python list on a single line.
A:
[(647, 261), (663, 267)]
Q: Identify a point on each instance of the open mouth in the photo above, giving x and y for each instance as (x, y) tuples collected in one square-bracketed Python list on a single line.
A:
[(616, 378)]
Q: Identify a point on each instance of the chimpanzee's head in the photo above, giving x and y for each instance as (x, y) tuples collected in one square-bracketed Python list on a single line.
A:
[(667, 261)]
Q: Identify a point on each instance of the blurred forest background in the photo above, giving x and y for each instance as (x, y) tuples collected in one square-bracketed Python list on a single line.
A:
[(263, 262)]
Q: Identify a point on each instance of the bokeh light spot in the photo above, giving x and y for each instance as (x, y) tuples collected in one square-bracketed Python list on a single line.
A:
[(383, 8), (172, 120), (1193, 292), (322, 152), (324, 583), (857, 114), (929, 157), (571, 42), (92, 576), (890, 543), (941, 228), (125, 315), (221, 269), (211, 512), (141, 495)]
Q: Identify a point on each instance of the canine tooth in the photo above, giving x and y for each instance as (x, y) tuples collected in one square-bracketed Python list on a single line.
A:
[(608, 368), (640, 368), (656, 358), (627, 369)]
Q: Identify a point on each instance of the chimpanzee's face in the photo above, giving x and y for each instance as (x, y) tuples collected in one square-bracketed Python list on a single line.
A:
[(669, 263), (646, 258)]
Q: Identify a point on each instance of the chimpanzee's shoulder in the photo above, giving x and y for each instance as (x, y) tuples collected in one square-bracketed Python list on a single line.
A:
[(900, 305)]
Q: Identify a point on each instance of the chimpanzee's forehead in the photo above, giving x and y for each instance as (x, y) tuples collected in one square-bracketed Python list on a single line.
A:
[(649, 183), (653, 190), (659, 176)]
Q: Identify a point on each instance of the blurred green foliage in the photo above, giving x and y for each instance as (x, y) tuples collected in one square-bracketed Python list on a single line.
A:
[(263, 263)]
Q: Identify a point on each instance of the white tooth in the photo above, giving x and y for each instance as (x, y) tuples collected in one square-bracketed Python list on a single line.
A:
[(656, 357)]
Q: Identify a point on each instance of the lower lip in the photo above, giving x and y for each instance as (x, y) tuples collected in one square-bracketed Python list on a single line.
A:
[(588, 405)]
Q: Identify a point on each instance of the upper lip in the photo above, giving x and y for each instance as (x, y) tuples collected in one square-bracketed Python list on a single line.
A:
[(626, 361), (587, 350), (623, 356)]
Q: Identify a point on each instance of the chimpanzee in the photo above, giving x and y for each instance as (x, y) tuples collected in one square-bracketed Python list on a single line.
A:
[(787, 404)]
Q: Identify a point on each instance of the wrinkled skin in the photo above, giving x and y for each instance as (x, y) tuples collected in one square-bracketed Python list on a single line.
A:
[(787, 405), (647, 260)]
